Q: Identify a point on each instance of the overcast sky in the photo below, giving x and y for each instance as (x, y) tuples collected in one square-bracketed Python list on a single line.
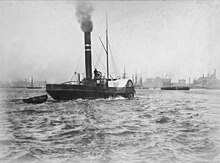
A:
[(43, 38)]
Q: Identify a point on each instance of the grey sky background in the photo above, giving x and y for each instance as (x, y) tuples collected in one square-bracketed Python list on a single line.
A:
[(43, 38)]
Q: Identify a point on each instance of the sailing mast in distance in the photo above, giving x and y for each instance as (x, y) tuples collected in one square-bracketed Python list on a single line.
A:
[(107, 46)]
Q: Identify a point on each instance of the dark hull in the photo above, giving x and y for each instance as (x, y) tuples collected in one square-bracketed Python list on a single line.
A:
[(175, 88), (68, 92), (36, 100), (34, 87)]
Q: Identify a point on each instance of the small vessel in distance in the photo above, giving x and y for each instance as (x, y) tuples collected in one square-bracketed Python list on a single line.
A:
[(91, 87), (36, 99), (175, 88), (32, 85)]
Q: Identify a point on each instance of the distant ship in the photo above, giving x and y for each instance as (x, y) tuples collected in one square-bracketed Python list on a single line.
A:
[(32, 85), (92, 87), (175, 88)]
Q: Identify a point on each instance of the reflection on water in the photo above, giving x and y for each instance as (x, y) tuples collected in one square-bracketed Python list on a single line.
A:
[(156, 126)]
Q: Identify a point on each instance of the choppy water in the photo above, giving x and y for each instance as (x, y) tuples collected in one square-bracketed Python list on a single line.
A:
[(155, 126)]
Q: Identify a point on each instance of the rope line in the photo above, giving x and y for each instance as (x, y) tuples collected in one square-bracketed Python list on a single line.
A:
[(77, 65), (115, 65), (99, 60)]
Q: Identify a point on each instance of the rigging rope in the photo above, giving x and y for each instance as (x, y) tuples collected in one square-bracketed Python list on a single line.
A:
[(98, 61), (115, 65), (77, 65)]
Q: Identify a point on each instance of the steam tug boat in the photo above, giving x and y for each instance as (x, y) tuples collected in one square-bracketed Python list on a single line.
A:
[(91, 87)]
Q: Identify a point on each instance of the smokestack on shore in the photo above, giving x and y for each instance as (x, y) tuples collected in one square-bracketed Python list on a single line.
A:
[(83, 13)]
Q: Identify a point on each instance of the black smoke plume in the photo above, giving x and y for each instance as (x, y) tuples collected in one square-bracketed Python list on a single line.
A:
[(83, 14)]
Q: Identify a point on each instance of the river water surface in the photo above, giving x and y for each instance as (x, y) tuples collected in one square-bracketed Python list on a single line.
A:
[(155, 126)]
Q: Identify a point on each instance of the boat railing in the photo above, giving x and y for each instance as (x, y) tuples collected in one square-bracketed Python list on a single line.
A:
[(71, 82)]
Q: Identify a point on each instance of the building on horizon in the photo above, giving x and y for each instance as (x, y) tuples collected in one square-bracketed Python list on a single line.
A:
[(157, 82), (209, 81)]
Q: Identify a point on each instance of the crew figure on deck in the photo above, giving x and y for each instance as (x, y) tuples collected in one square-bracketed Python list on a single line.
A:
[(97, 74)]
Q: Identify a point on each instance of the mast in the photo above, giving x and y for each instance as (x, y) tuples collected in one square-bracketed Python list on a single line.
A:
[(141, 80), (107, 46), (32, 81), (124, 75), (136, 77)]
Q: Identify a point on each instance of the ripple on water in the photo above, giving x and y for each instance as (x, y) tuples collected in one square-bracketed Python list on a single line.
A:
[(156, 126)]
